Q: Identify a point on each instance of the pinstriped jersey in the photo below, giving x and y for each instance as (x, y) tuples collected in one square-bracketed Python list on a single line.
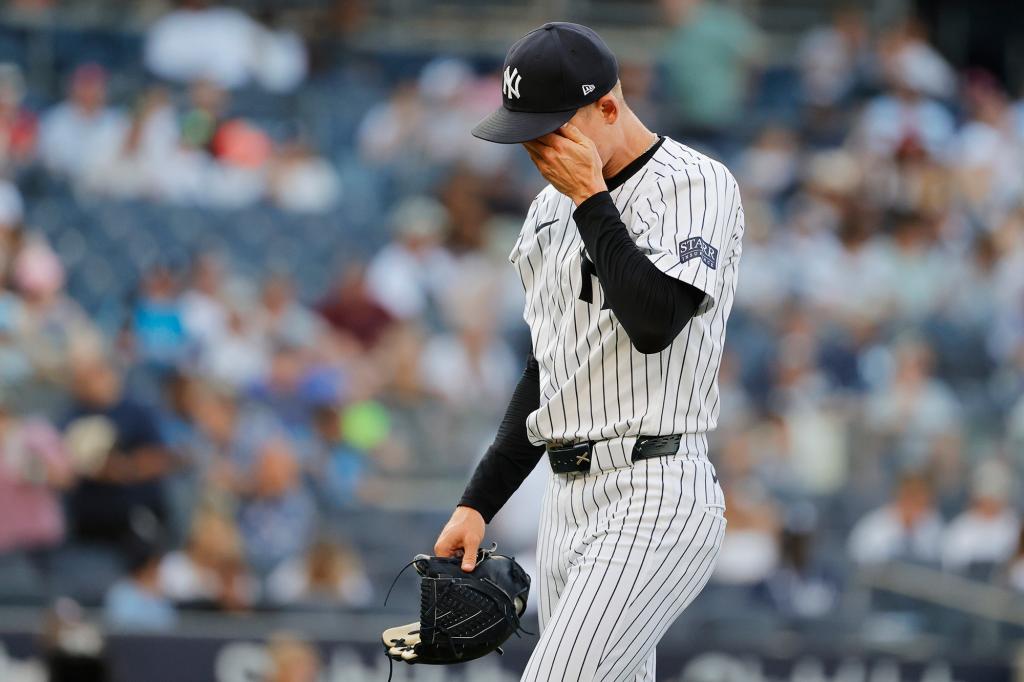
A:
[(683, 211)]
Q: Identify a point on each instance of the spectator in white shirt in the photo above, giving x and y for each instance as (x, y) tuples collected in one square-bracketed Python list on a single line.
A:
[(81, 132), (986, 533), (907, 528), (913, 412), (409, 274), (225, 45), (831, 57), (917, 76)]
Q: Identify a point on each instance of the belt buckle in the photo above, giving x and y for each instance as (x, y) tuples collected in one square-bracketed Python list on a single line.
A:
[(571, 459)]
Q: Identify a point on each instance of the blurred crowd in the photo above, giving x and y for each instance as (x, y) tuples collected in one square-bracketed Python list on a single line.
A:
[(210, 446)]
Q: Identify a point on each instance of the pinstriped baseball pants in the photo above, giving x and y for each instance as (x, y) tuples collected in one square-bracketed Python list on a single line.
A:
[(620, 555)]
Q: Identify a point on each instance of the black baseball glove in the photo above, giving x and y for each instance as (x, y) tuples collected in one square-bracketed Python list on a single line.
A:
[(462, 615)]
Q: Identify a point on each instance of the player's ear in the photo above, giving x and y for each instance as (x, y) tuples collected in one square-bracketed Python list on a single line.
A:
[(608, 107)]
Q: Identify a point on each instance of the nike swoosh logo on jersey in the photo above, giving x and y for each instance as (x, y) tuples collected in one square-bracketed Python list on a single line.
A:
[(543, 225)]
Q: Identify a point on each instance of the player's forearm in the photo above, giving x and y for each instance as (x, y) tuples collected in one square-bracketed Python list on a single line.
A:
[(651, 306), (512, 456)]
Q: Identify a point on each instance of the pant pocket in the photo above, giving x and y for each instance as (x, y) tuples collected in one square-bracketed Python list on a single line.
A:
[(715, 509)]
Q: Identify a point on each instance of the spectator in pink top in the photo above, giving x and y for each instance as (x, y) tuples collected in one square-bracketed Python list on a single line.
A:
[(34, 468)]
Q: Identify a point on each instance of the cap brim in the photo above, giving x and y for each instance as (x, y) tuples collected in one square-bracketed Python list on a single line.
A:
[(513, 127)]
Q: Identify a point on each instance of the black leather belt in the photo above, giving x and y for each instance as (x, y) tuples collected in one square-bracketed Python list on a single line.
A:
[(576, 458)]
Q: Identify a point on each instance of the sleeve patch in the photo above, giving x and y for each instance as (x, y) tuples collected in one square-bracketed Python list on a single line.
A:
[(698, 247)]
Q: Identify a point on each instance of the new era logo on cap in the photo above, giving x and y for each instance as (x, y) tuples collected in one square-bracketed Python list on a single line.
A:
[(587, 89), (510, 84)]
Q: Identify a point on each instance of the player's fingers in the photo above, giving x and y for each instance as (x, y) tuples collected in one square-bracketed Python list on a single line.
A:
[(470, 546), (534, 148), (446, 544), (553, 139), (573, 133), (537, 157)]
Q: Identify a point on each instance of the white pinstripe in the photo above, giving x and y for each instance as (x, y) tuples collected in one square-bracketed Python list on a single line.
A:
[(622, 550), (594, 384), (611, 586)]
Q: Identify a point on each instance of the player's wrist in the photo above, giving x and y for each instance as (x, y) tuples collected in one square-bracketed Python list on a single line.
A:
[(595, 204), (581, 196), (466, 509)]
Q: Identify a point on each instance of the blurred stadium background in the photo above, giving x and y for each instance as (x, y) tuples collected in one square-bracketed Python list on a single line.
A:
[(256, 326)]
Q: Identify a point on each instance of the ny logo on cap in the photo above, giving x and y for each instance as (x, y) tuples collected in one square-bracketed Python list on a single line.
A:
[(510, 85), (587, 89)]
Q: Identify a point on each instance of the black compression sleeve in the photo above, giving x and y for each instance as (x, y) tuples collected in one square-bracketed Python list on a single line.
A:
[(651, 306), (512, 456)]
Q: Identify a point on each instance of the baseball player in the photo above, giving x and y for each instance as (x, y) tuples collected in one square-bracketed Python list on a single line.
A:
[(629, 259)]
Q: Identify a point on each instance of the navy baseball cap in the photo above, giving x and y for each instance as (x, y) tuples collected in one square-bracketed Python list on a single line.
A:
[(549, 73)]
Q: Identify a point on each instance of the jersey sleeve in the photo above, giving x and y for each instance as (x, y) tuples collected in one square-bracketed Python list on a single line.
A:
[(528, 225), (685, 225)]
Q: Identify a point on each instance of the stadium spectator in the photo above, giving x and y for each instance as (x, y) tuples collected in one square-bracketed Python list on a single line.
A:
[(908, 113), (81, 132), (34, 470), (471, 366), (238, 356), (18, 125), (301, 181), (387, 130), (180, 433), (117, 443), (351, 309), (284, 319), (141, 164), (468, 369), (337, 466), (409, 275), (914, 414), (907, 528), (277, 514), (292, 660), (135, 603), (330, 574), (801, 588), (708, 58), (769, 166), (293, 386), (199, 39), (813, 434), (918, 264), (157, 326), (423, 126), (750, 550), (834, 59), (986, 151), (202, 304), (279, 56), (984, 535), (238, 178), (855, 258), (15, 365), (210, 571), (227, 433), (51, 327), (907, 57), (206, 113)]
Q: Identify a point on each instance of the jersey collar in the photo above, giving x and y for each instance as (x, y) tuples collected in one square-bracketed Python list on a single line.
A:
[(633, 166)]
